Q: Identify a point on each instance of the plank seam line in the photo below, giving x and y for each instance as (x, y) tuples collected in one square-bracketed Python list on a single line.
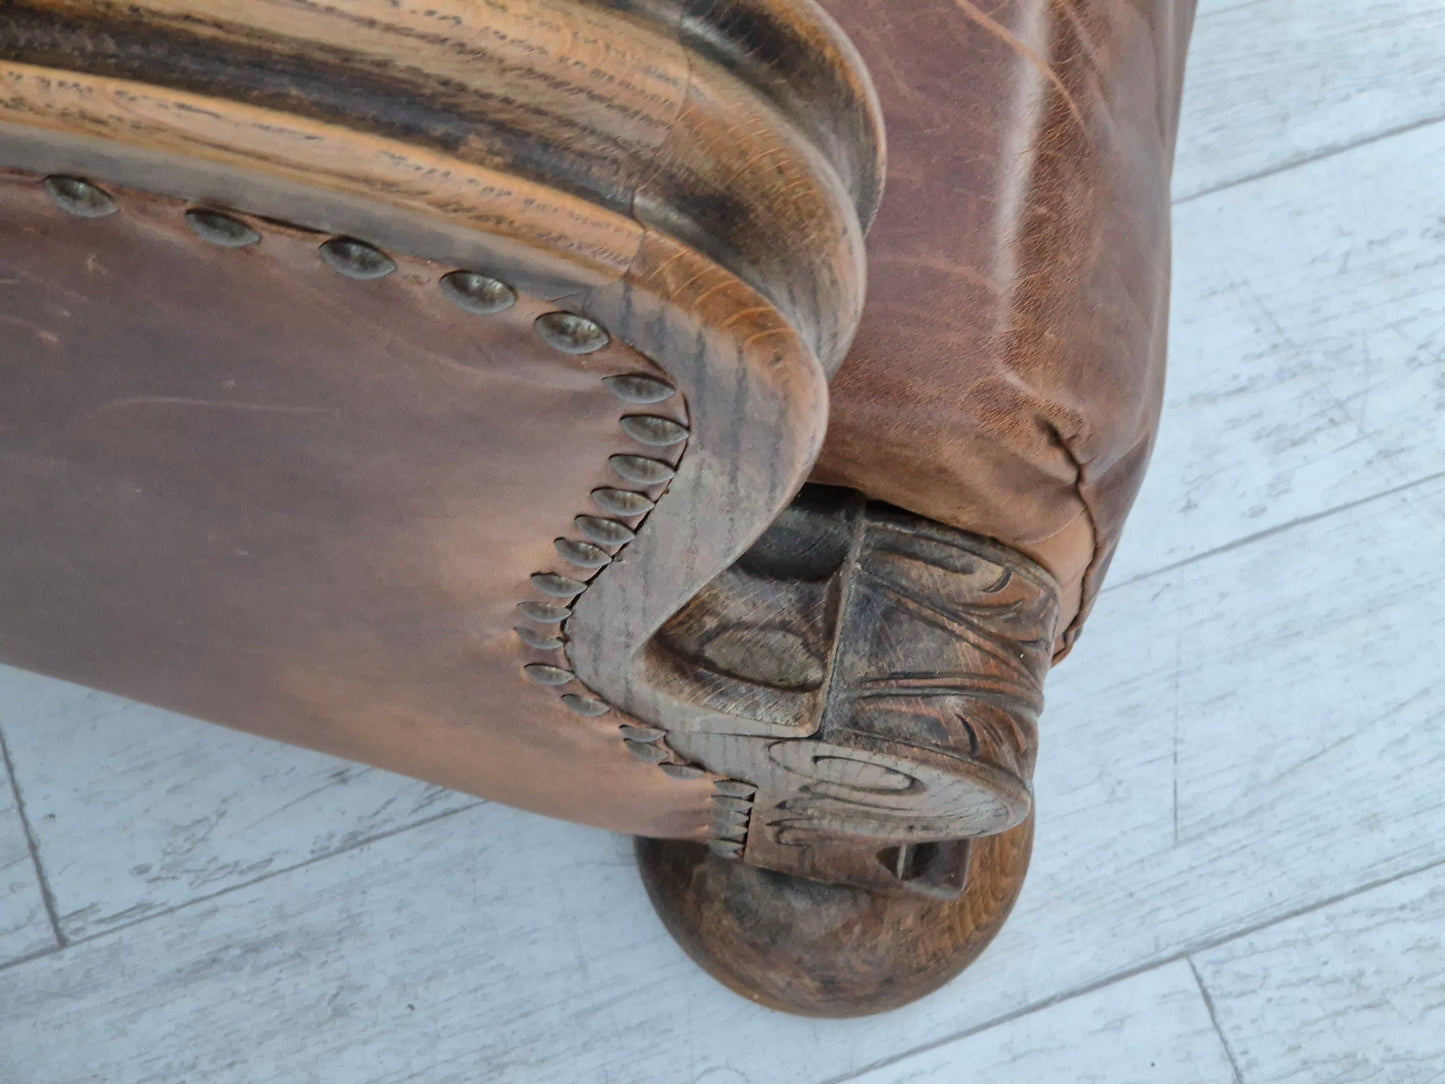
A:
[(1186, 953), (163, 912), (1250, 539), (47, 897), (1214, 1019), (1316, 156)]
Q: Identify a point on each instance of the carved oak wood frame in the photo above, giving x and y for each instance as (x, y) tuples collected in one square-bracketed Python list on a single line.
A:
[(697, 185)]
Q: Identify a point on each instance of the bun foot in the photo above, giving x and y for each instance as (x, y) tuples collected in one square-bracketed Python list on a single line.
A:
[(831, 950)]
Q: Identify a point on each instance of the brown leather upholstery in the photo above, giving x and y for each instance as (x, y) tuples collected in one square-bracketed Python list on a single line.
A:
[(318, 532), (1008, 374), (1006, 380)]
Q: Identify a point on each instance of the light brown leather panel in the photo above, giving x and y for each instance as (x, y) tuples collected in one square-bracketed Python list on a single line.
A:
[(235, 484), (1008, 374)]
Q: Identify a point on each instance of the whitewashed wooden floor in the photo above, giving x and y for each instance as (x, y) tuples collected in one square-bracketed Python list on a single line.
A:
[(1240, 871)]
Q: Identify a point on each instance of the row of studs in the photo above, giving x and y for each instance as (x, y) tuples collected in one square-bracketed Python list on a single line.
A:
[(468, 290), (732, 808), (571, 334), (601, 539)]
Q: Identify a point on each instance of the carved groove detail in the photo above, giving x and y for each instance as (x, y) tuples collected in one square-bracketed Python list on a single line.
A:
[(869, 683), (603, 538)]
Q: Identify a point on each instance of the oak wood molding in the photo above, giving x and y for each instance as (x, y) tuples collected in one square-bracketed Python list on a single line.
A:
[(579, 98), (587, 154)]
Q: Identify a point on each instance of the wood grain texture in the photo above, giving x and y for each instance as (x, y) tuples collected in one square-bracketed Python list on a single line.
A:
[(1274, 82), (1153, 1028), (1258, 666), (1305, 341), (874, 678), (190, 810), (581, 152), (24, 926), (387, 473), (269, 964), (555, 100), (1350, 993)]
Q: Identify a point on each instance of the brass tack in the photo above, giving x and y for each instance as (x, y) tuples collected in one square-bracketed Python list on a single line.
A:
[(477, 293), (725, 848), (80, 198), (544, 674), (544, 612), (642, 733), (540, 640), (549, 583), (605, 532), (589, 706), (653, 754), (682, 771), (652, 430), (635, 388), (570, 333), (621, 502), (221, 229), (356, 259), (641, 471), (582, 554)]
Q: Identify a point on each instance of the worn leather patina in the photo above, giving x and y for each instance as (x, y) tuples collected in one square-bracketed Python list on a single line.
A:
[(1008, 373)]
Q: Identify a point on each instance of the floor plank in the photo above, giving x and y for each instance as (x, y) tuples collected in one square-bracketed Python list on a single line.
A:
[(135, 810), (1306, 349), (1273, 82), (24, 926), (1353, 992), (1237, 739), (1307, 342), (1257, 668), (1153, 1028)]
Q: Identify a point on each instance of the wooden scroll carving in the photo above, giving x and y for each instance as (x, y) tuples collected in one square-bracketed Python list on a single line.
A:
[(868, 683)]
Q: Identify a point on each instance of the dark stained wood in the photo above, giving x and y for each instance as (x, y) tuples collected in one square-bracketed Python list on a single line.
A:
[(820, 949), (613, 108), (574, 154), (662, 199), (871, 682)]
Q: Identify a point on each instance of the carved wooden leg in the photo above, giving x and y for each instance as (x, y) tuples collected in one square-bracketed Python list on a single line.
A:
[(869, 684), (416, 382), (822, 949)]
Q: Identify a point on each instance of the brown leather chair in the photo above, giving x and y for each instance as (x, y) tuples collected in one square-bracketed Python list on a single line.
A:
[(436, 385)]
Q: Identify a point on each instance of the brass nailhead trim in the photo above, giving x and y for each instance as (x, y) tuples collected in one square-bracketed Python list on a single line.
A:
[(549, 583), (652, 430), (356, 259), (539, 641), (545, 674), (570, 333), (641, 471), (545, 613), (621, 502), (478, 294), (642, 733), (79, 197), (582, 554), (636, 388), (604, 532), (221, 230), (652, 754), (589, 706)]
